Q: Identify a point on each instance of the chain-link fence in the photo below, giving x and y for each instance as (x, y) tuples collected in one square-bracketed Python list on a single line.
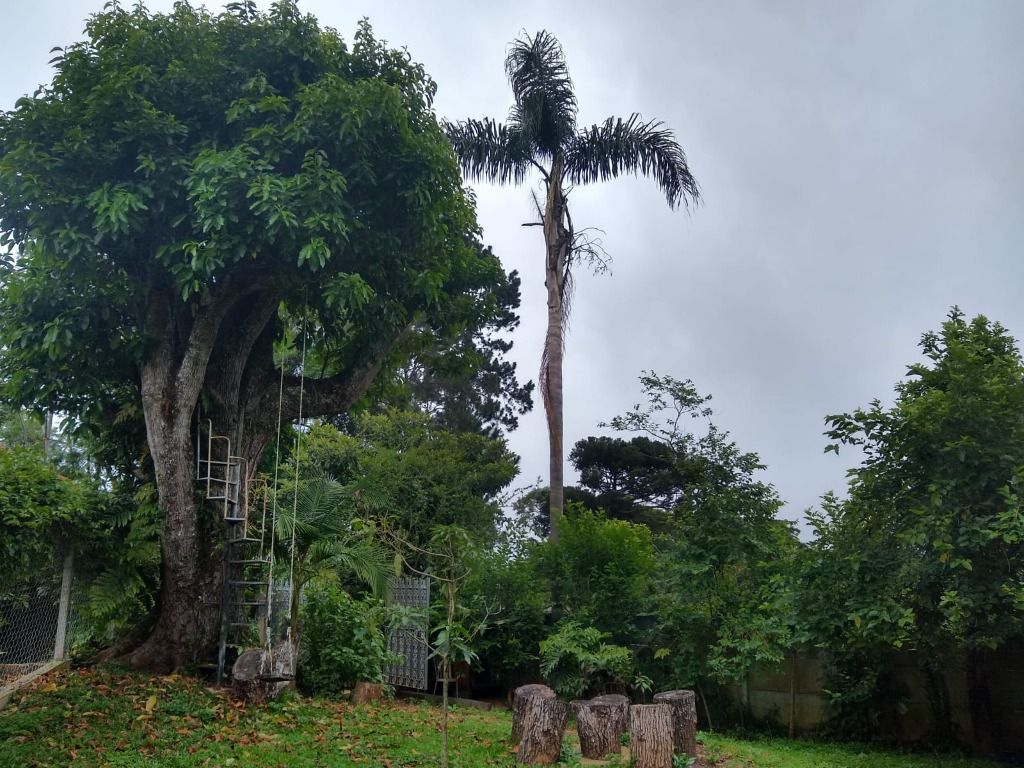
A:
[(34, 623)]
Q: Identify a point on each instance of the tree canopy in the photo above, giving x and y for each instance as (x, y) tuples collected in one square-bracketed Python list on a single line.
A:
[(193, 188), (926, 552)]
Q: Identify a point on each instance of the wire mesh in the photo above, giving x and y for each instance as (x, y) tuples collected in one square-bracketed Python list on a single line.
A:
[(34, 621)]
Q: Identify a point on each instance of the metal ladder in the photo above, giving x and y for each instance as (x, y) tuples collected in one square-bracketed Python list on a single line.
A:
[(245, 585)]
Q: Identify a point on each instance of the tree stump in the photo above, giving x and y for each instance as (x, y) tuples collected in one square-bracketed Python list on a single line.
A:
[(599, 725), (367, 693), (543, 729), (521, 703), (684, 719), (650, 735), (621, 703), (258, 677)]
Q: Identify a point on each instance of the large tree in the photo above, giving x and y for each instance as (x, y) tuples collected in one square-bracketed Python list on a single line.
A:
[(189, 189), (541, 133)]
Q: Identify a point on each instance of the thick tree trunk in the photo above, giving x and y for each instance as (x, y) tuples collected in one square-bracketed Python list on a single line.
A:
[(557, 241), (188, 355), (180, 623), (599, 726), (543, 729), (171, 379), (521, 703), (684, 719), (650, 735)]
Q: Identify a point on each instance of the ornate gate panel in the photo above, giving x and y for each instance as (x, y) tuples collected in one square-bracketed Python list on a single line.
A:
[(411, 643)]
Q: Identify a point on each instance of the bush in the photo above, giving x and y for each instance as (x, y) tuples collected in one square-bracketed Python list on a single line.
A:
[(576, 661), (38, 510), (504, 588), (342, 640), (599, 571)]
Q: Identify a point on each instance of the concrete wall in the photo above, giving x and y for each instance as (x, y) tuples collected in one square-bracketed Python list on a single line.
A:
[(795, 690)]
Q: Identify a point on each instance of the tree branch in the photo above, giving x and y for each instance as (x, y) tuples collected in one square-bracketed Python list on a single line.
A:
[(336, 394)]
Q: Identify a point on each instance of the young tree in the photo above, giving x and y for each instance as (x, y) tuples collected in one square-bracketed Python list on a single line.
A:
[(724, 568), (188, 186), (541, 133), (937, 497)]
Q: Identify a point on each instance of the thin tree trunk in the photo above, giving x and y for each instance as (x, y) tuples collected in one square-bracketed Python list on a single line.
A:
[(983, 721), (792, 695), (707, 709), (557, 244)]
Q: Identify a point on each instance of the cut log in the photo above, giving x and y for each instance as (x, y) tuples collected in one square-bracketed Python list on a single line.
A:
[(521, 702), (599, 726), (259, 676), (543, 729), (684, 719), (650, 735), (367, 693), (620, 702)]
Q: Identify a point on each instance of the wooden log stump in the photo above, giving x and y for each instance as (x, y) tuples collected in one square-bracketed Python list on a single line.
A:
[(520, 704), (543, 729), (367, 693), (650, 735), (599, 726), (684, 719), (258, 676), (621, 703)]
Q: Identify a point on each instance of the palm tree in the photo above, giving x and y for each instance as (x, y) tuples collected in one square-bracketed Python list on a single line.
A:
[(317, 539), (541, 133)]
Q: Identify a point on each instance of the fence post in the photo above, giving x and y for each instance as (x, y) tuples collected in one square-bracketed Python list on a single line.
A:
[(60, 639)]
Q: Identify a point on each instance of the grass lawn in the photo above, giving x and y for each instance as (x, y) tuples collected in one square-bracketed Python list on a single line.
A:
[(105, 717), (782, 753)]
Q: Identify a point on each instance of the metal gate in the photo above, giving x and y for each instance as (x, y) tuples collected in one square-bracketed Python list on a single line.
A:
[(410, 642)]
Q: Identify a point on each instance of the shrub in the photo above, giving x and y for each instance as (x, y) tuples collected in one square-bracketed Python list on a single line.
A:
[(504, 588), (342, 640), (599, 571), (576, 661)]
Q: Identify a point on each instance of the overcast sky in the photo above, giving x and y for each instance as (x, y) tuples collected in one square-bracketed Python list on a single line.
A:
[(862, 165)]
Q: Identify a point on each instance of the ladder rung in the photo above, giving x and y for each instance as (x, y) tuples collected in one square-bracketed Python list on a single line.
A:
[(245, 540), (251, 560), (248, 602), (230, 519), (241, 623), (247, 583)]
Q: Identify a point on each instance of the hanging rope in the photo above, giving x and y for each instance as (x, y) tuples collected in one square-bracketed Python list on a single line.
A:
[(295, 496), (273, 514)]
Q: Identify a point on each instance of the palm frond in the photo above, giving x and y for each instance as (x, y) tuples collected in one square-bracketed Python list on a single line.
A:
[(319, 510), (367, 559), (545, 103), (619, 146), (490, 150)]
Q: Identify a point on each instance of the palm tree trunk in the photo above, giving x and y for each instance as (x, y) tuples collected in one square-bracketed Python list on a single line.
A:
[(556, 241)]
